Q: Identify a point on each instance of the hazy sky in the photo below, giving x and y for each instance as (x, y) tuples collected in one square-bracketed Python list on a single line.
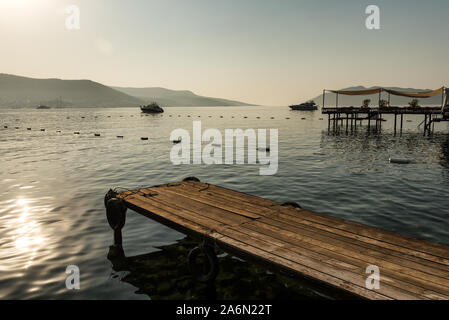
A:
[(272, 52)]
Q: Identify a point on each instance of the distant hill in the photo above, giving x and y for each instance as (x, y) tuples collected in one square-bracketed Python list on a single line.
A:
[(175, 98), (16, 91), (356, 101)]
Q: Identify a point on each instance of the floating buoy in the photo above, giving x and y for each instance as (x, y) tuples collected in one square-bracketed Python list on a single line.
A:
[(199, 116), (68, 118), (58, 131), (272, 118), (82, 117), (287, 118), (258, 117), (109, 116), (188, 116), (320, 119), (121, 116), (399, 160), (6, 127), (96, 134), (120, 137), (76, 132), (245, 117), (28, 129), (144, 138), (222, 117), (231, 117), (17, 127), (42, 129), (210, 116), (303, 118), (177, 141), (170, 115)]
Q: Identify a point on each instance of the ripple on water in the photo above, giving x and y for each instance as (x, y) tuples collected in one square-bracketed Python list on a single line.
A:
[(52, 188)]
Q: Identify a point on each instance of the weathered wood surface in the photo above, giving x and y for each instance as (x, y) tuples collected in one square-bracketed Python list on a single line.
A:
[(332, 251)]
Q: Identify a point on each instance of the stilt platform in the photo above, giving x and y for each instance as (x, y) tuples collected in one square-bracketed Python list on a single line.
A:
[(285, 238), (349, 117)]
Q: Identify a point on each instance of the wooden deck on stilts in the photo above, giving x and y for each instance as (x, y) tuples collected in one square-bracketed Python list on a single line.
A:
[(300, 242)]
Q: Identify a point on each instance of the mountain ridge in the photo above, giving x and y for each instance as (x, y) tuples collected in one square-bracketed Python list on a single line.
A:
[(20, 91), (176, 98)]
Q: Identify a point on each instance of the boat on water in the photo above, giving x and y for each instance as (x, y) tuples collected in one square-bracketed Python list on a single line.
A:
[(43, 107), (152, 108), (306, 106)]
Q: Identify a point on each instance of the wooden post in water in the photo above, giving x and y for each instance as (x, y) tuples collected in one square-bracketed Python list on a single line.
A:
[(395, 119), (347, 120), (352, 121), (425, 124), (369, 121), (402, 118), (355, 122)]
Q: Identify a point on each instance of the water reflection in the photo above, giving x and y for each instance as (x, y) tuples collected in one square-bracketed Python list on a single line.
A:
[(373, 150), (23, 237), (164, 275)]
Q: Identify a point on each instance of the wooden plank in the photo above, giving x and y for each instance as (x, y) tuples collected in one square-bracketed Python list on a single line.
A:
[(415, 277), (201, 225), (323, 248), (190, 214), (170, 203), (390, 240), (329, 232), (352, 250)]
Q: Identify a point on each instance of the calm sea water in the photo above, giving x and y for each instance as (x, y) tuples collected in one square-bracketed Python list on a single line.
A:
[(52, 187)]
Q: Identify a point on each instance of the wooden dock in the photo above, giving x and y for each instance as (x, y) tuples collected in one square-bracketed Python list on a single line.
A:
[(285, 238), (349, 117)]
